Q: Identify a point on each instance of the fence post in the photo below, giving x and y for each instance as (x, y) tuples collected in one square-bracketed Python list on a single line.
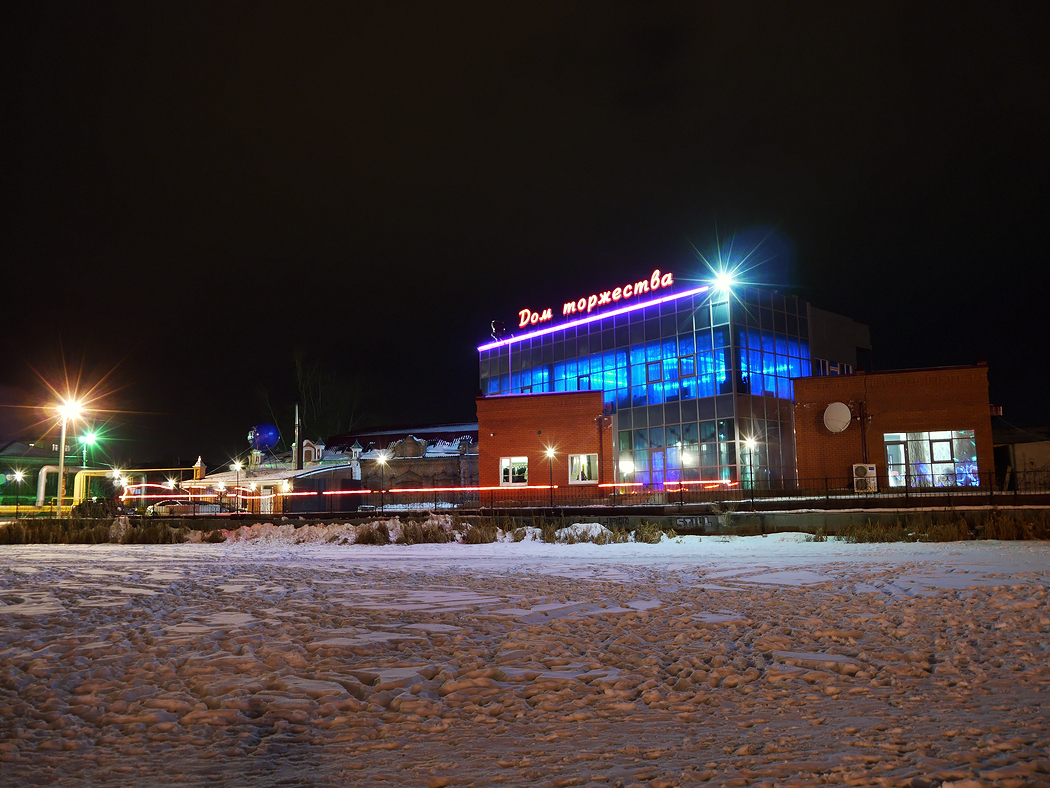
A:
[(827, 492)]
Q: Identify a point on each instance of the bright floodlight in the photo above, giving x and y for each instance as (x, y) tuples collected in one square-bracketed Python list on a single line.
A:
[(170, 484), (236, 465), (381, 458), (550, 453), (723, 280), (70, 409), (19, 476), (90, 439), (750, 443)]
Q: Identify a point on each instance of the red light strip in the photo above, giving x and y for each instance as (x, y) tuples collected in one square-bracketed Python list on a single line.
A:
[(347, 492), (592, 318), (623, 484)]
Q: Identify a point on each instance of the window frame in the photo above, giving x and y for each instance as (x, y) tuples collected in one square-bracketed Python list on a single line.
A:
[(507, 464), (574, 457)]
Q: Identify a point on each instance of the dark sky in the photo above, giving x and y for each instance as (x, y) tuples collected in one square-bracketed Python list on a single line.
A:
[(194, 194)]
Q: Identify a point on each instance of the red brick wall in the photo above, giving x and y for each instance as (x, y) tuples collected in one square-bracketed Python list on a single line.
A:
[(921, 400), (524, 425)]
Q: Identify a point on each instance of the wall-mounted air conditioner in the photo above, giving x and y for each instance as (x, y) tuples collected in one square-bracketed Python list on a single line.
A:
[(864, 479)]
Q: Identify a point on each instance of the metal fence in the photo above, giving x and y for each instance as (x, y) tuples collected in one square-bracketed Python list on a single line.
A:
[(843, 492)]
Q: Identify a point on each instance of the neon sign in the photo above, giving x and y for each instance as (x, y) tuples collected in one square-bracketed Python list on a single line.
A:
[(658, 280)]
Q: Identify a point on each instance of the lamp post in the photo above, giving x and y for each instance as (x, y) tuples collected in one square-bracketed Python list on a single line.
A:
[(18, 477), (751, 443), (381, 458), (237, 487), (85, 441), (69, 409), (550, 469)]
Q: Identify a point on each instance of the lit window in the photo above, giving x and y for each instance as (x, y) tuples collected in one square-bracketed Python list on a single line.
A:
[(931, 459), (653, 372), (513, 470), (583, 469)]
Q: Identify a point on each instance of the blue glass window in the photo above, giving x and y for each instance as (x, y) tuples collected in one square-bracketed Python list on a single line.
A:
[(526, 377), (782, 366), (770, 384), (515, 381), (721, 337), (686, 366), (671, 390), (637, 354), (583, 366), (754, 338), (767, 343), (570, 369), (652, 351), (655, 394), (703, 340), (596, 381), (794, 367), (804, 347), (504, 383), (584, 382), (559, 385), (686, 346), (652, 372), (623, 398), (689, 388), (804, 363), (671, 369), (782, 345), (637, 396), (621, 358), (493, 386), (670, 348), (783, 388), (706, 375), (559, 371), (608, 397), (793, 347)]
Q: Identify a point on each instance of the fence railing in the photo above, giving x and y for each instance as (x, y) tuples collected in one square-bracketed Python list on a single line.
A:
[(824, 492)]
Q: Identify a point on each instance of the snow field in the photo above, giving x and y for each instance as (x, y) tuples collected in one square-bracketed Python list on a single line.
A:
[(740, 661)]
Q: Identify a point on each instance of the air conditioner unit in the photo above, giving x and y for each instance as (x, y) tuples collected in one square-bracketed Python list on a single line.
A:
[(864, 479)]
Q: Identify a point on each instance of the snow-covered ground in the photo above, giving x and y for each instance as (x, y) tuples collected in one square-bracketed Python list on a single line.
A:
[(740, 661)]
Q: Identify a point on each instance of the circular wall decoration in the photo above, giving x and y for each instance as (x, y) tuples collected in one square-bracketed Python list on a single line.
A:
[(837, 416)]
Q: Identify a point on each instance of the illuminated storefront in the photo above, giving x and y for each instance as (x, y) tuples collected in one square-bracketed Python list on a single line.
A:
[(697, 378)]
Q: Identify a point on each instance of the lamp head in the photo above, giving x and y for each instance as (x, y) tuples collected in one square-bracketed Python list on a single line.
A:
[(751, 443), (550, 452), (19, 476), (236, 465), (70, 409)]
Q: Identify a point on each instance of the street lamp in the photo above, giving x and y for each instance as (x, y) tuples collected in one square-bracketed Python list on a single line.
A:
[(85, 441), (18, 477), (550, 469), (68, 410), (237, 487), (751, 443), (381, 458)]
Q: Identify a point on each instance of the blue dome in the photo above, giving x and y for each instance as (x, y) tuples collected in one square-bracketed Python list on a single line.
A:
[(262, 437)]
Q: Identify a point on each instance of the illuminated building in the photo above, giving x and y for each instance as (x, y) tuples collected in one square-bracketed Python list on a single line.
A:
[(689, 372)]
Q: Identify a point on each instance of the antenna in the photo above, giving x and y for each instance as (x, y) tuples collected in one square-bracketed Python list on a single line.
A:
[(837, 416)]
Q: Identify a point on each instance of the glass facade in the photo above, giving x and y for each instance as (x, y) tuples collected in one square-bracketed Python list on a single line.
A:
[(689, 381), (932, 459)]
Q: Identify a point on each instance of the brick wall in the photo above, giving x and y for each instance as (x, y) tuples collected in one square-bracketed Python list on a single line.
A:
[(524, 425), (921, 400)]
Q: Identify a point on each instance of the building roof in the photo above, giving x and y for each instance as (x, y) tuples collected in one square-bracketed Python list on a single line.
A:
[(1003, 432), (382, 437)]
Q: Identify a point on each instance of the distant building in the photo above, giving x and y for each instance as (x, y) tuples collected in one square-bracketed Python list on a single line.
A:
[(1022, 455)]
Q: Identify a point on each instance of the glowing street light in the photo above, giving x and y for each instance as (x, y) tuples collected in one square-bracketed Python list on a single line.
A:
[(550, 470), (751, 443), (18, 477), (68, 410), (237, 487), (86, 440), (382, 458)]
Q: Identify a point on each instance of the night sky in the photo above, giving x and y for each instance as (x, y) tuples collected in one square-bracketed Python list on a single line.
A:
[(195, 195)]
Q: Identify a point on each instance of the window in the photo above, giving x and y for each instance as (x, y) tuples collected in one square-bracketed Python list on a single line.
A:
[(653, 372), (931, 459), (583, 469), (513, 470)]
